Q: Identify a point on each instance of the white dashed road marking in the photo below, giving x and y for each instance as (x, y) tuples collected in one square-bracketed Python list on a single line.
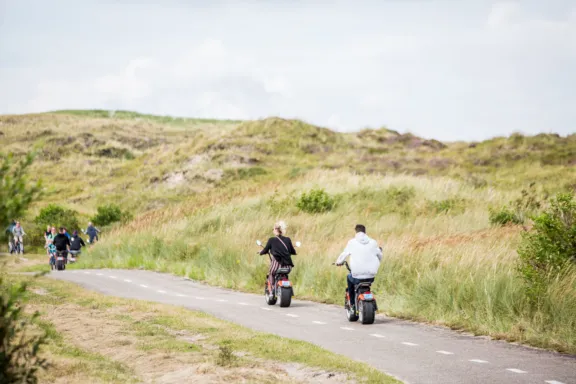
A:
[(199, 298), (378, 335), (291, 315), (515, 370), (554, 382), (222, 300), (347, 328), (479, 361), (445, 352), (86, 273), (409, 344), (112, 277), (319, 322), (243, 304), (266, 309), (160, 291), (180, 295), (100, 274), (128, 281), (143, 286)]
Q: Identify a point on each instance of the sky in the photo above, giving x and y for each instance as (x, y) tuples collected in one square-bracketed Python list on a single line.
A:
[(449, 70)]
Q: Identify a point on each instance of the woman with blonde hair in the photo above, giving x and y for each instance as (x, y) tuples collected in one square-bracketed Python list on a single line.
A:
[(281, 248)]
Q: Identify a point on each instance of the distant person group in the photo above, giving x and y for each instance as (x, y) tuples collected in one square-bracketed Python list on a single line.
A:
[(55, 241)]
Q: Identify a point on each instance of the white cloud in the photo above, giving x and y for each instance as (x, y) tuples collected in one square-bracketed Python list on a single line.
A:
[(503, 14), (439, 70)]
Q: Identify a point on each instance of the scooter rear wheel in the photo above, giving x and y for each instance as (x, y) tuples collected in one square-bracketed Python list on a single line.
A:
[(285, 297), (367, 312)]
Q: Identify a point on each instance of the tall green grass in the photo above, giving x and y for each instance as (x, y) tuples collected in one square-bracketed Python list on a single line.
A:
[(446, 266)]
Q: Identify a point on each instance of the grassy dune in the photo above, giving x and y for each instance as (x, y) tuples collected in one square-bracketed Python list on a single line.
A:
[(202, 191)]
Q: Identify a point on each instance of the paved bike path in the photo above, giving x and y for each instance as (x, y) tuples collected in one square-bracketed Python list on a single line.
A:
[(414, 353)]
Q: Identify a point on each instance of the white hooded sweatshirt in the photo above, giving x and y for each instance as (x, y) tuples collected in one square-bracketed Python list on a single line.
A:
[(365, 256)]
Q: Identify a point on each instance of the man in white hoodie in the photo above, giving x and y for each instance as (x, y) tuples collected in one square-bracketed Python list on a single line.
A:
[(365, 256)]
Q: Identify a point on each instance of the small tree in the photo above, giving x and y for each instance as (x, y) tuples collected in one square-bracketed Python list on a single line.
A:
[(19, 350), (550, 246), (16, 191)]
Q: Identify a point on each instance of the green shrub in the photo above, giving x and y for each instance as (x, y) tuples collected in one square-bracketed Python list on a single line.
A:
[(110, 213), (244, 173), (226, 356), (504, 216), (315, 201), (550, 246), (57, 216), (115, 153), (519, 210), (400, 196), (19, 349), (453, 206)]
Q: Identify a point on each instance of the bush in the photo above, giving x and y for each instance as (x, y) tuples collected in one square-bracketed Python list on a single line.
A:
[(453, 206), (110, 213), (57, 216), (115, 153), (278, 205), (519, 210), (315, 201), (550, 246), (226, 357), (400, 196), (244, 173), (504, 216), (19, 360)]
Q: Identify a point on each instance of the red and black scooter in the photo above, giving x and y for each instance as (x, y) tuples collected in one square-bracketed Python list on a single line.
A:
[(282, 288), (366, 306)]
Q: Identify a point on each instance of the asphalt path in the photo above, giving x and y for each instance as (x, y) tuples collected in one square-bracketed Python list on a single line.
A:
[(414, 353)]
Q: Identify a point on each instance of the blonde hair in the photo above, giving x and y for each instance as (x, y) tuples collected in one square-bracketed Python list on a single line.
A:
[(281, 227)]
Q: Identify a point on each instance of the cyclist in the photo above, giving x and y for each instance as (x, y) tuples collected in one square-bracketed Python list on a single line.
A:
[(18, 233), (92, 232)]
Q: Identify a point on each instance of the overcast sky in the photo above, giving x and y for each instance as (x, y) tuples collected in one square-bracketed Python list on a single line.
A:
[(441, 69)]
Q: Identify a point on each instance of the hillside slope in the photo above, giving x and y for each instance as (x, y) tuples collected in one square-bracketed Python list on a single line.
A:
[(204, 190), (143, 162)]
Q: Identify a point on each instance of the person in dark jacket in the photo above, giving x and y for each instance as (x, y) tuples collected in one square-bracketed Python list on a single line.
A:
[(61, 242), (76, 242), (281, 249), (92, 232)]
